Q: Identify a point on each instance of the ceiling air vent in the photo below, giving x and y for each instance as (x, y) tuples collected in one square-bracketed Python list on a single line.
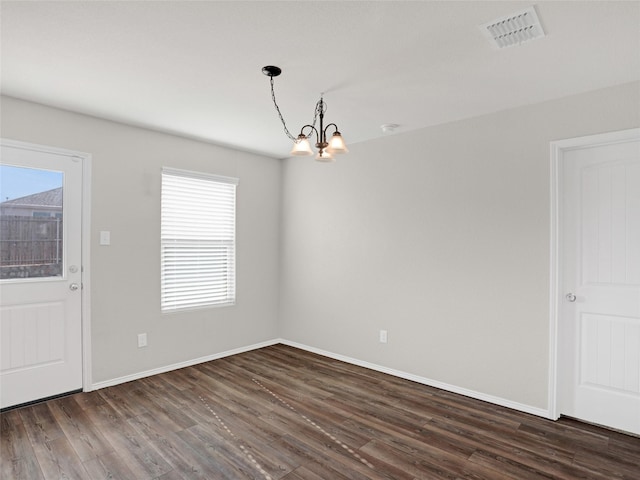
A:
[(513, 29)]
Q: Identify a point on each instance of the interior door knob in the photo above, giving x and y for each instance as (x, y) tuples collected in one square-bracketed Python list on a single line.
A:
[(570, 297), (73, 287)]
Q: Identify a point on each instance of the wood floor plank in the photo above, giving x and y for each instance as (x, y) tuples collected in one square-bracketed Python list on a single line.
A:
[(565, 436), (23, 468), (189, 403), (82, 434), (318, 443), (109, 466), (475, 438), (119, 398), (280, 413), (302, 473), (528, 467), (621, 448), (511, 450), (186, 461), (314, 471), (181, 379), (221, 452), (328, 460), (17, 456), (90, 400), (148, 397), (610, 463), (58, 459), (152, 427), (254, 434), (418, 439), (173, 475), (434, 464), (40, 424), (137, 453)]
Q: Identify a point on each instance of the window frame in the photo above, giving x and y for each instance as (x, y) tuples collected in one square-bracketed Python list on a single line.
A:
[(187, 196)]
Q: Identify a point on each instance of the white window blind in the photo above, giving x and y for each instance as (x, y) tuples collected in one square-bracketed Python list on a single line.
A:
[(197, 240)]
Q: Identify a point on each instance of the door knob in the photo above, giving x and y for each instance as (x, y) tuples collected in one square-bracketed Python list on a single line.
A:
[(73, 287), (570, 297)]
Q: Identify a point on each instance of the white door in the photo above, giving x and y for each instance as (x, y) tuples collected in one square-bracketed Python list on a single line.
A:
[(599, 308), (40, 273)]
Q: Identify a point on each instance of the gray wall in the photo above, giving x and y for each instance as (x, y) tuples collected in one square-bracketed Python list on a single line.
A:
[(125, 276), (441, 237)]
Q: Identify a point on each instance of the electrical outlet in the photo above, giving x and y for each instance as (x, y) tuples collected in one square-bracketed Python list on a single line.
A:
[(142, 340), (383, 336)]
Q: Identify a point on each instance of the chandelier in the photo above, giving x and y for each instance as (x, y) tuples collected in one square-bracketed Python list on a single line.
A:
[(301, 146)]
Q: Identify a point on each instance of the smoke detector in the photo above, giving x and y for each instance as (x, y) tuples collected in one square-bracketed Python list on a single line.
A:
[(513, 29)]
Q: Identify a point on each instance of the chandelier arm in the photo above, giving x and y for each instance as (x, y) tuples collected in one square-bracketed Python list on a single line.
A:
[(314, 129), (330, 125)]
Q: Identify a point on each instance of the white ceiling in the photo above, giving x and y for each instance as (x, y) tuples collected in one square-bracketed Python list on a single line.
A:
[(194, 67)]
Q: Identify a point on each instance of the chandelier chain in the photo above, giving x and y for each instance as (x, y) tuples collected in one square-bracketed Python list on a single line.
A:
[(284, 125)]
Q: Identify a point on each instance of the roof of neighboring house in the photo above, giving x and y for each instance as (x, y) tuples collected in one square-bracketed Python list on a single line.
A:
[(50, 198)]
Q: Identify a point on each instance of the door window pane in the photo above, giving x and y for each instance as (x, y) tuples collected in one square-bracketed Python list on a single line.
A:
[(31, 223)]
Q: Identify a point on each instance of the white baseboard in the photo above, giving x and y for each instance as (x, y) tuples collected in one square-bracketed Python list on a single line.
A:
[(503, 402), (540, 412), (176, 366)]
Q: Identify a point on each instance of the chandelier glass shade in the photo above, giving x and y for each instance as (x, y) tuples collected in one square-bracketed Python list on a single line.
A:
[(327, 148), (301, 147)]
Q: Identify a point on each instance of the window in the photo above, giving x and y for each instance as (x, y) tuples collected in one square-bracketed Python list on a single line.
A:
[(198, 218), (41, 215)]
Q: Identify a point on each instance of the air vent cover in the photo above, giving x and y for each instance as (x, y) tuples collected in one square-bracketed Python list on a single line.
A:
[(513, 29)]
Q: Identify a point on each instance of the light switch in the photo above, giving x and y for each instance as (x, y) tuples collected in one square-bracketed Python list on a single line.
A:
[(105, 237)]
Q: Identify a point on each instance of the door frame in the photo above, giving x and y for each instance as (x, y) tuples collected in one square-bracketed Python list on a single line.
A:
[(558, 149), (85, 159)]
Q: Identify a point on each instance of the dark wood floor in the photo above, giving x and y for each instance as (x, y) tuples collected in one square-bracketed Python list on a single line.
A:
[(282, 413)]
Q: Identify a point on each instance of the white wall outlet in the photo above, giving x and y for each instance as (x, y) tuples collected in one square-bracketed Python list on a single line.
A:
[(383, 336), (142, 340)]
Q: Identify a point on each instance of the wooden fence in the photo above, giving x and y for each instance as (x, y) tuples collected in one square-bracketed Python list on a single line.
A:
[(30, 241)]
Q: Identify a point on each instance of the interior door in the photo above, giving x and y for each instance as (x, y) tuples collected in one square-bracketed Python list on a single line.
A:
[(40, 273), (599, 324)]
